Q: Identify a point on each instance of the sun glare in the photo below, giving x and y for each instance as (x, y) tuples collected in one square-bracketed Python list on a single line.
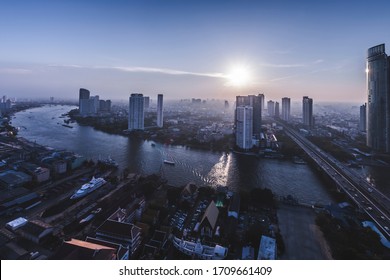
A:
[(239, 76)]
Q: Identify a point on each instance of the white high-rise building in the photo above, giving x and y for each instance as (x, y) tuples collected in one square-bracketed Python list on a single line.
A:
[(160, 110), (244, 129), (136, 112)]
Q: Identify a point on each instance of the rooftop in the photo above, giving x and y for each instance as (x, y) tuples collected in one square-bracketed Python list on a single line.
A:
[(267, 249)]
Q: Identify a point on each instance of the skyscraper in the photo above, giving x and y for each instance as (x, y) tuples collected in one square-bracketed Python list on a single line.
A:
[(378, 103), (146, 102), (256, 102), (271, 108), (160, 110), (307, 112), (244, 127), (136, 112), (363, 118), (95, 105), (277, 113), (286, 108), (83, 101)]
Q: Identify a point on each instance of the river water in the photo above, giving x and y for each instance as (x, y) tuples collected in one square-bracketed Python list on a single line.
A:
[(238, 172)]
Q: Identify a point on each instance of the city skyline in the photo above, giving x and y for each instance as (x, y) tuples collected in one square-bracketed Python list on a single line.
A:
[(186, 49)]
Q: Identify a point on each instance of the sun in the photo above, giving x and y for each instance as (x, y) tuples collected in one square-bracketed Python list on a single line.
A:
[(239, 76)]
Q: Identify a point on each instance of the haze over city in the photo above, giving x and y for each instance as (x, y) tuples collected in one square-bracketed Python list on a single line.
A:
[(189, 48)]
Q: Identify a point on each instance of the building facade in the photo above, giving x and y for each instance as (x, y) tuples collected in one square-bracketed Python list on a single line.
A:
[(286, 109), (160, 110), (256, 102), (244, 127), (277, 110), (307, 112), (363, 118), (378, 99), (271, 108), (146, 102), (136, 112)]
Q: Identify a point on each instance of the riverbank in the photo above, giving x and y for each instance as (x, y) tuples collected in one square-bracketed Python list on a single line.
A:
[(170, 134)]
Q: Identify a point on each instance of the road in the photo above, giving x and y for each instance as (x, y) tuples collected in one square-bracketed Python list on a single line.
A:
[(375, 204)]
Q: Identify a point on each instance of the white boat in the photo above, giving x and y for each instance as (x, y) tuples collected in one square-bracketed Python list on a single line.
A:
[(199, 250), (85, 189), (169, 162)]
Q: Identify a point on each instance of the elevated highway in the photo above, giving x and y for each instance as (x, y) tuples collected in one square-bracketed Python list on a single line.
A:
[(374, 203)]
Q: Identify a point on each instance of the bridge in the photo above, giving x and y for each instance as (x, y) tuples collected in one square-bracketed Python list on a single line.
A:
[(371, 201)]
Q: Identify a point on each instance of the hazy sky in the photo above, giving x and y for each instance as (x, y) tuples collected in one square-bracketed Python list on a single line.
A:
[(187, 49)]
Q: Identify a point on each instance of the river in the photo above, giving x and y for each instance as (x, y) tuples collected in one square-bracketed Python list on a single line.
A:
[(43, 125)]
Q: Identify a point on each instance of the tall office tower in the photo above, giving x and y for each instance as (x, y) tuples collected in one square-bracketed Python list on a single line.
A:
[(286, 108), (84, 101), (146, 102), (226, 104), (363, 118), (261, 96), (160, 121), (244, 128), (256, 102), (136, 112), (4, 99), (378, 103), (277, 112), (271, 108), (307, 112)]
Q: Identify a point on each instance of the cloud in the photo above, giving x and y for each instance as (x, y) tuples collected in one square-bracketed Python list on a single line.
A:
[(146, 70), (282, 65), (283, 78), (318, 61), (14, 71)]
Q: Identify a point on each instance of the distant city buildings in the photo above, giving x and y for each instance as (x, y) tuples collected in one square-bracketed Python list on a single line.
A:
[(378, 95), (226, 104), (196, 101), (160, 110), (5, 105), (307, 112), (91, 105), (286, 109), (363, 118), (136, 112)]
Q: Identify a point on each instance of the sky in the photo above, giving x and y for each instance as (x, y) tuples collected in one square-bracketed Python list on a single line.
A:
[(186, 49)]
